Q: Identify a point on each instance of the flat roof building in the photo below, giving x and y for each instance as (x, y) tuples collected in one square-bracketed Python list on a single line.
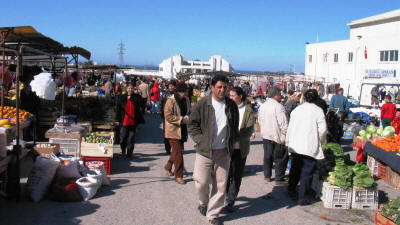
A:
[(173, 65), (372, 51)]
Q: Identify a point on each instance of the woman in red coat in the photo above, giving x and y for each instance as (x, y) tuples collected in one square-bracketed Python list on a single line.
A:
[(154, 97)]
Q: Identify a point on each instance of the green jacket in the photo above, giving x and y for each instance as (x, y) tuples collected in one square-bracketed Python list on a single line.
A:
[(201, 124), (245, 131)]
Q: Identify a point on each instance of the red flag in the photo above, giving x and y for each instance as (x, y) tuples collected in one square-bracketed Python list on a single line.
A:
[(365, 52)]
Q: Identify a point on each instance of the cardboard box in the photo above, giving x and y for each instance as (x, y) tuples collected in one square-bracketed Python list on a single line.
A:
[(54, 148)]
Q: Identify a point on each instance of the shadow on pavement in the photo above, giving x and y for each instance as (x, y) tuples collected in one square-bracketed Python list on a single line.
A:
[(151, 131), (108, 190), (263, 204), (251, 170), (45, 212), (122, 165)]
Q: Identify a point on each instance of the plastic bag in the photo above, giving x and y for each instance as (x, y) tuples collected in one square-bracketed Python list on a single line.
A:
[(88, 187), (65, 190), (98, 170), (68, 169), (41, 176)]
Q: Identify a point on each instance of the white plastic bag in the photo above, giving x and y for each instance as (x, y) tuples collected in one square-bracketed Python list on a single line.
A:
[(69, 169), (41, 175), (88, 187), (97, 171)]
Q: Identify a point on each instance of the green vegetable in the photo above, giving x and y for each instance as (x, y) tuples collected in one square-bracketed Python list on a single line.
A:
[(371, 129), (341, 175), (362, 133), (379, 131), (362, 176), (391, 210)]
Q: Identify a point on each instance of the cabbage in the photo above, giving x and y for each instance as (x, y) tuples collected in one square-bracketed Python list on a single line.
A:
[(371, 129), (388, 131), (362, 133), (368, 136), (390, 128), (379, 131)]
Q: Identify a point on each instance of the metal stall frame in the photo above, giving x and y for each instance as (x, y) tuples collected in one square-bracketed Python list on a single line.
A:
[(53, 50)]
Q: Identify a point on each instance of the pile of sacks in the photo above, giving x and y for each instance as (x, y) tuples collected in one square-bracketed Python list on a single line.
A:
[(65, 179)]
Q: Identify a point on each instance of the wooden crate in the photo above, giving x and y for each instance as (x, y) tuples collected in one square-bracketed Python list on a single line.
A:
[(381, 220), (392, 178)]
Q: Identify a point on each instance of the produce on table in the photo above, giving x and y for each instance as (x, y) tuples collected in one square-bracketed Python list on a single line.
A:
[(93, 138), (341, 175), (362, 176), (391, 210), (390, 144), (11, 112), (332, 152), (371, 131)]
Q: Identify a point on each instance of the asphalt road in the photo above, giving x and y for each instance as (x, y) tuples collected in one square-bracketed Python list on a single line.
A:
[(141, 193)]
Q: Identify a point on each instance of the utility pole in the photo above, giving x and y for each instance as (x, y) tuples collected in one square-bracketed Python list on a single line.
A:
[(121, 52)]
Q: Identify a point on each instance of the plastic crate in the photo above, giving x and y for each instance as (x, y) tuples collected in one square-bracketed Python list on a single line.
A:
[(382, 169), (89, 161), (372, 164), (365, 198), (335, 197), (67, 146)]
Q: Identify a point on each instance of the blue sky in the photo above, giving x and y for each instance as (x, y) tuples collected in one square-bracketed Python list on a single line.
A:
[(251, 35)]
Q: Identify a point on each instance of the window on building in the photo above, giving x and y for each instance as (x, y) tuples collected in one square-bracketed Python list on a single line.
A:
[(310, 58), (350, 57), (325, 57), (161, 69), (389, 55), (336, 57)]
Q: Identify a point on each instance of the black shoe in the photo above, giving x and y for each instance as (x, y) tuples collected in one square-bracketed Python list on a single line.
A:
[(129, 156), (216, 221), (228, 208), (202, 210)]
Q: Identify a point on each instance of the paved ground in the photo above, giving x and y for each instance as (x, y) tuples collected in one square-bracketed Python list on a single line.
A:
[(141, 193)]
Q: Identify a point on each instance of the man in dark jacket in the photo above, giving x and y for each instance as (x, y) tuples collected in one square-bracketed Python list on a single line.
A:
[(213, 126), (163, 100), (128, 116)]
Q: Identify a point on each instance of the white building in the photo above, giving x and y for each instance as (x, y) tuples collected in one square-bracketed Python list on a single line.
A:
[(169, 67), (372, 51)]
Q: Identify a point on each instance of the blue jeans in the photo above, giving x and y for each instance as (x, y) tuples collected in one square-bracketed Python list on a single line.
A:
[(154, 107)]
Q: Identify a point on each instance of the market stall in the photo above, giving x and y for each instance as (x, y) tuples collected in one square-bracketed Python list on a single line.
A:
[(21, 45)]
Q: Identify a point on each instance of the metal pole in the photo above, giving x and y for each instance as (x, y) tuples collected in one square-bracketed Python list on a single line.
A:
[(65, 83), (3, 41)]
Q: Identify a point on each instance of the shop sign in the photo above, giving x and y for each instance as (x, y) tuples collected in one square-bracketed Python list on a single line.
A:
[(379, 73)]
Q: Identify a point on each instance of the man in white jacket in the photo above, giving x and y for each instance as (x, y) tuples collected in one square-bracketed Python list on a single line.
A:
[(273, 126), (305, 136)]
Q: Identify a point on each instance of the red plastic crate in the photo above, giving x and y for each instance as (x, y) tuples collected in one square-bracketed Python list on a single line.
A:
[(382, 171), (87, 161)]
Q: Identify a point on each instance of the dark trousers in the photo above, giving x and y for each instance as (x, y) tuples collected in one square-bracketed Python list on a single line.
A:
[(166, 140), (127, 140), (274, 152), (176, 158), (302, 170), (143, 105), (235, 176)]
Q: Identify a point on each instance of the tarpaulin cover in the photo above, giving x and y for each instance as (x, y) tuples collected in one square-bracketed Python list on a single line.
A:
[(389, 158)]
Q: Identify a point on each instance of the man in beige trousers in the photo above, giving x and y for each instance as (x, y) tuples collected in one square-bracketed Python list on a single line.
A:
[(213, 126)]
